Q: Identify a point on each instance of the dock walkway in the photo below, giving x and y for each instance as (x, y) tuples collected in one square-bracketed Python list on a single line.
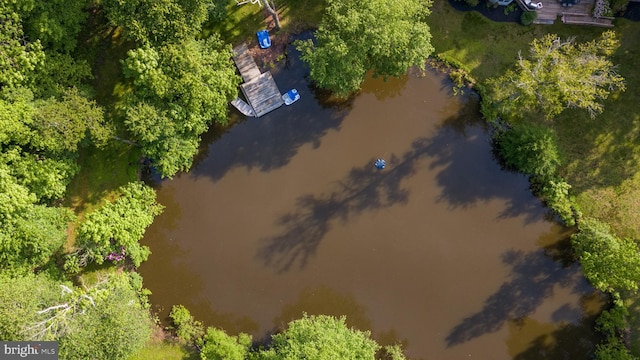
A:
[(260, 90)]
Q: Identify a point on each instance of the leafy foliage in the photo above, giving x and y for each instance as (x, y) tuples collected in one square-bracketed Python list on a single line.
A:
[(29, 234), (609, 263), (528, 17), (530, 148), (114, 327), (558, 75), (555, 193), (387, 37), (187, 328), (179, 89), (21, 297), (18, 58), (220, 346), (321, 337), (118, 226), (157, 21), (56, 23), (64, 125), (613, 349), (58, 73)]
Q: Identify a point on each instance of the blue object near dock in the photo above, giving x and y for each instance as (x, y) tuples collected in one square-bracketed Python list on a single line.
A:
[(380, 164), (263, 39), (290, 97)]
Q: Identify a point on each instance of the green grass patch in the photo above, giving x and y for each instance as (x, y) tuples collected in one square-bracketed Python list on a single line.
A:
[(101, 172), (165, 350), (243, 21)]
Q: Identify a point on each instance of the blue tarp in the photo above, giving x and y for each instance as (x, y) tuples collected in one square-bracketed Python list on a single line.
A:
[(263, 39)]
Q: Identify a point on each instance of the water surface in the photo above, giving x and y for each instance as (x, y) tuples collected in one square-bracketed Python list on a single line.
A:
[(441, 251)]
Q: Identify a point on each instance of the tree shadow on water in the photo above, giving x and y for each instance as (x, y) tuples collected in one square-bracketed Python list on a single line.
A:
[(533, 277), (363, 188), (469, 174), (271, 141)]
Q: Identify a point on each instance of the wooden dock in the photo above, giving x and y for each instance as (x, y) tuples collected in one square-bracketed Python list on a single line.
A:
[(260, 90)]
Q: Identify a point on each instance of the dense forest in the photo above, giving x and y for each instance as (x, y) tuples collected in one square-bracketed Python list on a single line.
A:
[(92, 91)]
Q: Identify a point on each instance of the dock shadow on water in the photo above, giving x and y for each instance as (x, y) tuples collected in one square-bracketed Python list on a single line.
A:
[(442, 250)]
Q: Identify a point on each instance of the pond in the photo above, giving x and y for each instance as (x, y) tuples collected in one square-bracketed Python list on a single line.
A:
[(442, 250)]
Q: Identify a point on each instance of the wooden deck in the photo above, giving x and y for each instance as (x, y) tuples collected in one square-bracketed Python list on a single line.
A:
[(577, 14), (244, 62), (243, 107), (260, 90)]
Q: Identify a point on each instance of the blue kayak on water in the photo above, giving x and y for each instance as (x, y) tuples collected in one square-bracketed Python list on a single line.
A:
[(263, 39)]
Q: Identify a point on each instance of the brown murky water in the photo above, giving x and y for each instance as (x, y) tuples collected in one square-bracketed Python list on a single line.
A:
[(441, 251)]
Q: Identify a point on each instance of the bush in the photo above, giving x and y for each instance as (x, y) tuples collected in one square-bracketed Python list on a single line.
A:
[(555, 193), (529, 148), (187, 328), (613, 349), (528, 17), (220, 346), (609, 263)]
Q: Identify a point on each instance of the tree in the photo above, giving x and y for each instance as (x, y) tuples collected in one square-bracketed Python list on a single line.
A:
[(178, 91), (220, 346), (157, 21), (63, 125), (321, 337), (56, 23), (559, 75), (21, 297), (114, 322), (387, 37), (530, 148), (187, 328), (115, 229), (18, 57), (609, 263)]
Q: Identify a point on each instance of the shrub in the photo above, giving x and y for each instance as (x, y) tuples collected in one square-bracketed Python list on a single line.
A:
[(220, 346), (529, 148), (528, 17), (555, 193), (187, 328)]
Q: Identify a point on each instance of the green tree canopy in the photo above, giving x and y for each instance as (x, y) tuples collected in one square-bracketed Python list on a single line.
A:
[(321, 337), (531, 149), (63, 125), (387, 37), (157, 21), (56, 23), (179, 90), (220, 346), (21, 297), (29, 233), (117, 227), (558, 74), (114, 326), (18, 57), (609, 263)]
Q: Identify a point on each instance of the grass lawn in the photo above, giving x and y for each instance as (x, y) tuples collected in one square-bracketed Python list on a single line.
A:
[(602, 154), (164, 350), (243, 21)]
